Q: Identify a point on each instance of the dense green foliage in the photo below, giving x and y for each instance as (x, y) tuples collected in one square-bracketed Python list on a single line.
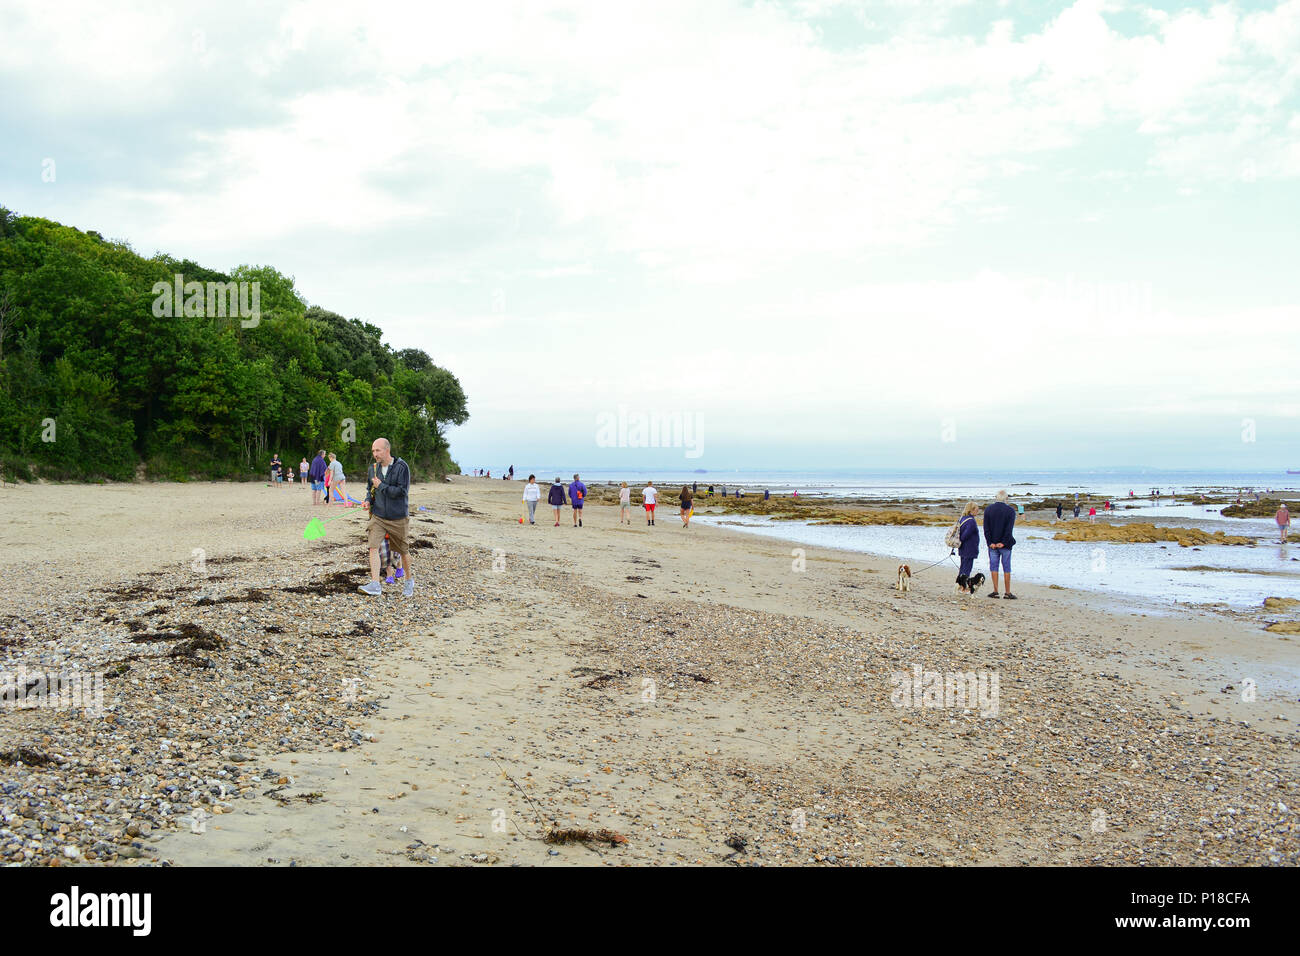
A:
[(185, 397)]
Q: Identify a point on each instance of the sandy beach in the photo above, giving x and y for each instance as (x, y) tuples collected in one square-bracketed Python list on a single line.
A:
[(708, 697)]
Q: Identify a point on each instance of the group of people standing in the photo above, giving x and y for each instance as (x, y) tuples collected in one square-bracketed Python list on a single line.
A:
[(323, 474), (1106, 508), (575, 495), (320, 474), (999, 521)]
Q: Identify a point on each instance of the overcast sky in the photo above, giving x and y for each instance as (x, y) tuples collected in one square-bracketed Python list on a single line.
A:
[(827, 233)]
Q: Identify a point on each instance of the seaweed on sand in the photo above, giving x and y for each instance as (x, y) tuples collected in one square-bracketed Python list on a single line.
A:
[(562, 837), (340, 582)]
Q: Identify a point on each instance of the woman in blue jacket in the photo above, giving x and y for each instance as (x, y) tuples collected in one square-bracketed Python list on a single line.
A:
[(555, 498), (969, 549)]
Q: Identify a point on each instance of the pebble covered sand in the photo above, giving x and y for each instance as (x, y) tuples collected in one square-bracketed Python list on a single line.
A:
[(700, 728)]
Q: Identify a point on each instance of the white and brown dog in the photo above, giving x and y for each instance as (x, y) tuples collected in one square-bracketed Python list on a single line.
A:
[(904, 578)]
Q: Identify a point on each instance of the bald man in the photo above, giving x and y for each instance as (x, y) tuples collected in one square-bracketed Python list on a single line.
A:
[(387, 492)]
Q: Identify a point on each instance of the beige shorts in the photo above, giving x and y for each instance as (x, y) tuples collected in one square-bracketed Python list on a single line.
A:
[(396, 531)]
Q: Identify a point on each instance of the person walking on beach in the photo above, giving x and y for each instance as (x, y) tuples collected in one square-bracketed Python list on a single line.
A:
[(532, 495), (1058, 511), (687, 497), (649, 497), (969, 549), (577, 497), (317, 476), (999, 520), (512, 472), (1092, 515), (337, 479), (389, 497), (624, 503), (1076, 510), (1283, 519), (555, 498)]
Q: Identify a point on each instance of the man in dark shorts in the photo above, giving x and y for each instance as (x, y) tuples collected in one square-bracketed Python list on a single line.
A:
[(577, 497), (387, 493)]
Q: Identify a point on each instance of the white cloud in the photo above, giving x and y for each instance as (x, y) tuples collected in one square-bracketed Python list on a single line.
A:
[(681, 165)]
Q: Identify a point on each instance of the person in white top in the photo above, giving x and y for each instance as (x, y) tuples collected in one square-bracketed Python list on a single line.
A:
[(624, 503), (650, 496), (532, 494)]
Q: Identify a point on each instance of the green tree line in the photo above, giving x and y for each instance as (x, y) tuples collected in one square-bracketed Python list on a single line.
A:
[(95, 384)]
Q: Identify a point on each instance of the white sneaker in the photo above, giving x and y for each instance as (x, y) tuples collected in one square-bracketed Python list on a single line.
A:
[(409, 588), (372, 587)]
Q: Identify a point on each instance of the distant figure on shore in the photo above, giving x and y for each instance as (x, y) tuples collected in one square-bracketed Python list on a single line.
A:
[(1058, 511), (303, 467), (289, 476), (686, 498), (649, 497), (276, 470), (795, 494), (710, 491), (389, 497), (317, 475), (1092, 515), (555, 498), (969, 549), (577, 496), (624, 503), (1106, 507), (1283, 519), (999, 520), (1076, 510), (1020, 509), (724, 491), (767, 493), (512, 472), (532, 495), (695, 486)]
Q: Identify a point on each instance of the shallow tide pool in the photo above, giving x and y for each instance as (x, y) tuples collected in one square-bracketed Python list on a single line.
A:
[(1162, 574)]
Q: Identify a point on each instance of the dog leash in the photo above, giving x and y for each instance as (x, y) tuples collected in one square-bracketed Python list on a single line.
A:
[(937, 562)]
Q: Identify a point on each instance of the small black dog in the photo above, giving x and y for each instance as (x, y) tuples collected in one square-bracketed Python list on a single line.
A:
[(974, 582)]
